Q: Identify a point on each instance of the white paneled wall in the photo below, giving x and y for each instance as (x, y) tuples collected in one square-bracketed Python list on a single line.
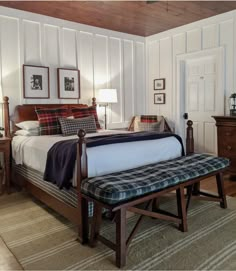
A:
[(164, 48), (105, 59)]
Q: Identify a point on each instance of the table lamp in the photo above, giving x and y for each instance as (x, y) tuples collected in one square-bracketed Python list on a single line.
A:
[(105, 97)]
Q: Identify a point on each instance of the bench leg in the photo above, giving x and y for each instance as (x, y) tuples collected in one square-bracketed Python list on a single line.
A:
[(221, 190), (121, 238), (83, 221), (96, 224), (181, 208), (196, 189), (189, 195), (155, 204)]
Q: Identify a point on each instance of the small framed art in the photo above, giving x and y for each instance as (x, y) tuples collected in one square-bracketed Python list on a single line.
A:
[(36, 82), (159, 84), (159, 98), (68, 83)]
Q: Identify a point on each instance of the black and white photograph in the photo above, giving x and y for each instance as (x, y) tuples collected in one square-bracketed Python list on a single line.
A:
[(68, 83), (159, 98), (159, 84), (36, 82)]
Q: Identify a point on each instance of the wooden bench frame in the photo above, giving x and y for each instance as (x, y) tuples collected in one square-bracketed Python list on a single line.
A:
[(122, 243)]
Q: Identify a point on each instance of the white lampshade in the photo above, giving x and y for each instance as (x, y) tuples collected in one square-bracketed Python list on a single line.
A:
[(107, 95)]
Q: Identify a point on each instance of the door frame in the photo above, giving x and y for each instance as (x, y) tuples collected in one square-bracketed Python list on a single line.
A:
[(181, 61)]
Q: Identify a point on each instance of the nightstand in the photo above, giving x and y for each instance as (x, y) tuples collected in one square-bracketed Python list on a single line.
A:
[(5, 147)]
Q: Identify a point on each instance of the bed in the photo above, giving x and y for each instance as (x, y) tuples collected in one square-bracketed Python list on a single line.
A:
[(29, 174)]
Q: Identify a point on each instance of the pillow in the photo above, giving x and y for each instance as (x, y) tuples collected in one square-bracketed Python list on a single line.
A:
[(148, 118), (48, 120), (149, 126), (28, 125), (85, 112), (71, 126), (32, 132)]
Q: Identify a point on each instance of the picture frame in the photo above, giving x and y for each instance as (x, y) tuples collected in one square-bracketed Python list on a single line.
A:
[(36, 82), (68, 83), (159, 98), (159, 84)]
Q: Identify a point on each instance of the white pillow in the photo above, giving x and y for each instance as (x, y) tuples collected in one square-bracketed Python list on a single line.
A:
[(32, 132), (28, 125)]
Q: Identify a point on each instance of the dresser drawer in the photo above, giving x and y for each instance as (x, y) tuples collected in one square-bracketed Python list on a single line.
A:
[(227, 147), (227, 132)]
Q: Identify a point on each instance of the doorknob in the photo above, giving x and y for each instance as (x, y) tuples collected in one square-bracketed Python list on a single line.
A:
[(185, 116)]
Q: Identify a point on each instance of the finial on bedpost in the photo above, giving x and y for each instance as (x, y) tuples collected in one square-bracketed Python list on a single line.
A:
[(189, 138), (6, 116), (94, 101)]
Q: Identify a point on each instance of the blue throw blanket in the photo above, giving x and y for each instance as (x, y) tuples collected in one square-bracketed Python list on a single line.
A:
[(62, 155)]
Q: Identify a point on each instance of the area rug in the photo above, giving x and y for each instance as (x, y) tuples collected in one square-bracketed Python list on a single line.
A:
[(40, 239)]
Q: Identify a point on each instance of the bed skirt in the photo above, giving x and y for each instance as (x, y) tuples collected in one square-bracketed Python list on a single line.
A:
[(68, 196)]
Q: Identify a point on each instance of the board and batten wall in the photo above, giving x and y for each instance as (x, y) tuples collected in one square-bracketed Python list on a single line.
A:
[(163, 49), (106, 59)]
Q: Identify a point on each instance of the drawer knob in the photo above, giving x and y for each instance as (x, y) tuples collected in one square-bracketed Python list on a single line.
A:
[(229, 148), (228, 133)]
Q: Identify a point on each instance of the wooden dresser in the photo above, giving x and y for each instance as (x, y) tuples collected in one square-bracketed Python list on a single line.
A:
[(226, 133)]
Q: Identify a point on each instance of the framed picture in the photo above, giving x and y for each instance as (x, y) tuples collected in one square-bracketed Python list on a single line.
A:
[(159, 84), (68, 83), (159, 98), (36, 82)]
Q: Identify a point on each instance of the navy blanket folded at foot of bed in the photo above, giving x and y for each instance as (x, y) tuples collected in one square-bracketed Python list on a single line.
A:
[(62, 155), (118, 187)]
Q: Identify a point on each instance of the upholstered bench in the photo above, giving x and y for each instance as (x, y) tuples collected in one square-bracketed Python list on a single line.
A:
[(122, 191)]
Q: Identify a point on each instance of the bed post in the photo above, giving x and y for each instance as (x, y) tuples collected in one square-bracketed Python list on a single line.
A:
[(189, 138), (6, 116), (82, 173), (94, 101)]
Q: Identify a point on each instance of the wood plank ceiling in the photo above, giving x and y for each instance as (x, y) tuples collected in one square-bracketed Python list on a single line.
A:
[(133, 17)]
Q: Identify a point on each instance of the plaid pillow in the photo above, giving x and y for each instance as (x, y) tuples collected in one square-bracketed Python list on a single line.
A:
[(86, 112), (148, 118), (71, 126), (48, 120), (148, 126)]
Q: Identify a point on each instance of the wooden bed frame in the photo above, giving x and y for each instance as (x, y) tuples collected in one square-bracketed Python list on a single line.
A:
[(74, 214)]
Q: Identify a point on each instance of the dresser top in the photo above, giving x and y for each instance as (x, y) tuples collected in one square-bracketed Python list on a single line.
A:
[(233, 118)]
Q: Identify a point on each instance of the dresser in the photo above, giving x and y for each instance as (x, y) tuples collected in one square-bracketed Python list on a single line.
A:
[(226, 133)]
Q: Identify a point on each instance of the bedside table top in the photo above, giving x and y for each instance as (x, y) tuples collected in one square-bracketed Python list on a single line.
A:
[(5, 138)]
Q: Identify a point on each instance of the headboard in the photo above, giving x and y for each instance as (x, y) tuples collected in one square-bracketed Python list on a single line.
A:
[(27, 112)]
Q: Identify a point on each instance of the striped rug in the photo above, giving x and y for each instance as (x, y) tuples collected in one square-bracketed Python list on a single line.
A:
[(42, 240)]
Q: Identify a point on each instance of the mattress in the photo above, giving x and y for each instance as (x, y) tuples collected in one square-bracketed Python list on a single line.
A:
[(32, 152)]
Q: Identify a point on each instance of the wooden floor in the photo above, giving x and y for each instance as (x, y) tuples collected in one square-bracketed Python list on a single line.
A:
[(230, 186), (9, 262)]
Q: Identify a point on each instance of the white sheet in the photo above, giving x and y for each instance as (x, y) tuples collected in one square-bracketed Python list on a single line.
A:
[(32, 151)]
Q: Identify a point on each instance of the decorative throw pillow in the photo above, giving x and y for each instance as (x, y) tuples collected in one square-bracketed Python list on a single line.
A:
[(48, 120), (71, 126), (86, 112), (148, 118), (149, 126)]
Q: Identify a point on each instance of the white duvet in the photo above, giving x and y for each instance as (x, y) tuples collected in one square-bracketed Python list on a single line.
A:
[(32, 152)]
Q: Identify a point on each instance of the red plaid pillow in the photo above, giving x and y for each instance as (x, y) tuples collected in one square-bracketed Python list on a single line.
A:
[(86, 112), (48, 120), (148, 118)]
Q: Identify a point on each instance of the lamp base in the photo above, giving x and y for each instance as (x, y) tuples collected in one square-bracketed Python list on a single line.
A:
[(232, 112)]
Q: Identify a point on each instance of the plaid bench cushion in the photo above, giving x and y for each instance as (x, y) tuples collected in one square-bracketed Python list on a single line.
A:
[(122, 186)]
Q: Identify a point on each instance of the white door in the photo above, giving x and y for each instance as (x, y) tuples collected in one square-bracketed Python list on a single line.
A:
[(204, 99)]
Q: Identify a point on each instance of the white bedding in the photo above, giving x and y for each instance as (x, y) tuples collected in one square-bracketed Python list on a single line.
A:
[(32, 151)]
